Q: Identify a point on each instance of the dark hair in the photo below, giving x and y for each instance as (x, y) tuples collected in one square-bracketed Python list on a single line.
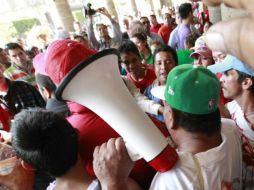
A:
[(128, 46), (152, 15), (184, 10), (143, 17), (45, 140), (45, 81), (141, 36), (193, 123), (168, 49), (242, 76), (191, 39), (13, 45)]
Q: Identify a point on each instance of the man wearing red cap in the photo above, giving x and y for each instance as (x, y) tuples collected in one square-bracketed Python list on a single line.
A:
[(61, 57)]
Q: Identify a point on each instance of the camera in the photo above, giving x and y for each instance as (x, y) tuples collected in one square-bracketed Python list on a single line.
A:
[(88, 10)]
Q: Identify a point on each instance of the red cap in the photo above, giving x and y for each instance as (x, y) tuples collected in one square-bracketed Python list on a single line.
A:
[(62, 56), (203, 51)]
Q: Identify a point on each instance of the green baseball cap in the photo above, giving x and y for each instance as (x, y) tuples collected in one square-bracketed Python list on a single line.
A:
[(191, 89)]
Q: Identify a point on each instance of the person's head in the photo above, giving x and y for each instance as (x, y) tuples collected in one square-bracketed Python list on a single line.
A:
[(237, 78), (81, 40), (165, 59), (4, 58), (77, 27), (126, 24), (62, 56), (140, 40), (191, 99), (103, 31), (190, 40), (167, 18), (45, 85), (218, 56), (130, 58), (203, 56), (146, 23), (185, 11), (45, 140), (153, 20), (16, 54), (35, 50)]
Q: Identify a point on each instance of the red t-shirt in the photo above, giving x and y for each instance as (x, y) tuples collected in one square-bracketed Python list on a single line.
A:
[(164, 32), (145, 82), (156, 28)]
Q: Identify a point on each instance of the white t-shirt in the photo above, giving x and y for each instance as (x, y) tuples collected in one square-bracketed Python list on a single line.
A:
[(222, 163), (95, 185), (247, 139)]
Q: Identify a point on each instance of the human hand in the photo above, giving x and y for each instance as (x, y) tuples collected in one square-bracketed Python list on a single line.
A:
[(112, 164), (235, 36), (104, 11)]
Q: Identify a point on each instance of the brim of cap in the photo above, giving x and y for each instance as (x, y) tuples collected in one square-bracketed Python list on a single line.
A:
[(220, 67), (39, 64), (158, 92), (195, 54)]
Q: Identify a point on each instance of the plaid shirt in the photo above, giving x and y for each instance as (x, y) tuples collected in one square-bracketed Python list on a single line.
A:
[(15, 73), (21, 95)]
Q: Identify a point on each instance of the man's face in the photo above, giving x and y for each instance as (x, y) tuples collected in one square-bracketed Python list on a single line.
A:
[(4, 57), (103, 30), (18, 57), (131, 63), (141, 45), (153, 20), (231, 88), (146, 23), (204, 61), (218, 56), (163, 64)]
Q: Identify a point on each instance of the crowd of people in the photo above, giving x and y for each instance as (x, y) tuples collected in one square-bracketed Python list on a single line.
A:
[(193, 79)]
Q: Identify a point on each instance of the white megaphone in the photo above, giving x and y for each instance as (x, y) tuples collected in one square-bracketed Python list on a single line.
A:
[(96, 83)]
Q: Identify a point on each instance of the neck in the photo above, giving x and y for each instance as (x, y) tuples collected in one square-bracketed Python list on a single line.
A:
[(246, 102), (139, 75), (145, 52), (185, 22), (195, 143), (75, 178)]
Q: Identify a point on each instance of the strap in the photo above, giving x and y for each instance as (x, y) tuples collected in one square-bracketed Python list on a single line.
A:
[(198, 172)]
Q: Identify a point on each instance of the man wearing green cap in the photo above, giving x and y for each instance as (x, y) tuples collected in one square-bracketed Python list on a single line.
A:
[(209, 153)]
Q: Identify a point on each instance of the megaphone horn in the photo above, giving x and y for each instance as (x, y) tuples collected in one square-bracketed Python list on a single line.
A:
[(96, 83)]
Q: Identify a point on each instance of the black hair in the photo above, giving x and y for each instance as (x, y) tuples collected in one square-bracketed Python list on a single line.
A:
[(45, 81), (191, 39), (168, 49), (242, 76), (207, 124), (127, 47), (141, 36), (184, 10), (13, 45), (45, 140)]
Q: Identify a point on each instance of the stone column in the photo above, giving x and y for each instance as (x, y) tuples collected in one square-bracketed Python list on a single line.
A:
[(65, 14), (133, 6), (111, 8), (150, 2), (166, 3)]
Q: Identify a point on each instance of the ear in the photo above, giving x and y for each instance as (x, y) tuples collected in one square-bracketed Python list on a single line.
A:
[(246, 84), (169, 118), (26, 166)]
